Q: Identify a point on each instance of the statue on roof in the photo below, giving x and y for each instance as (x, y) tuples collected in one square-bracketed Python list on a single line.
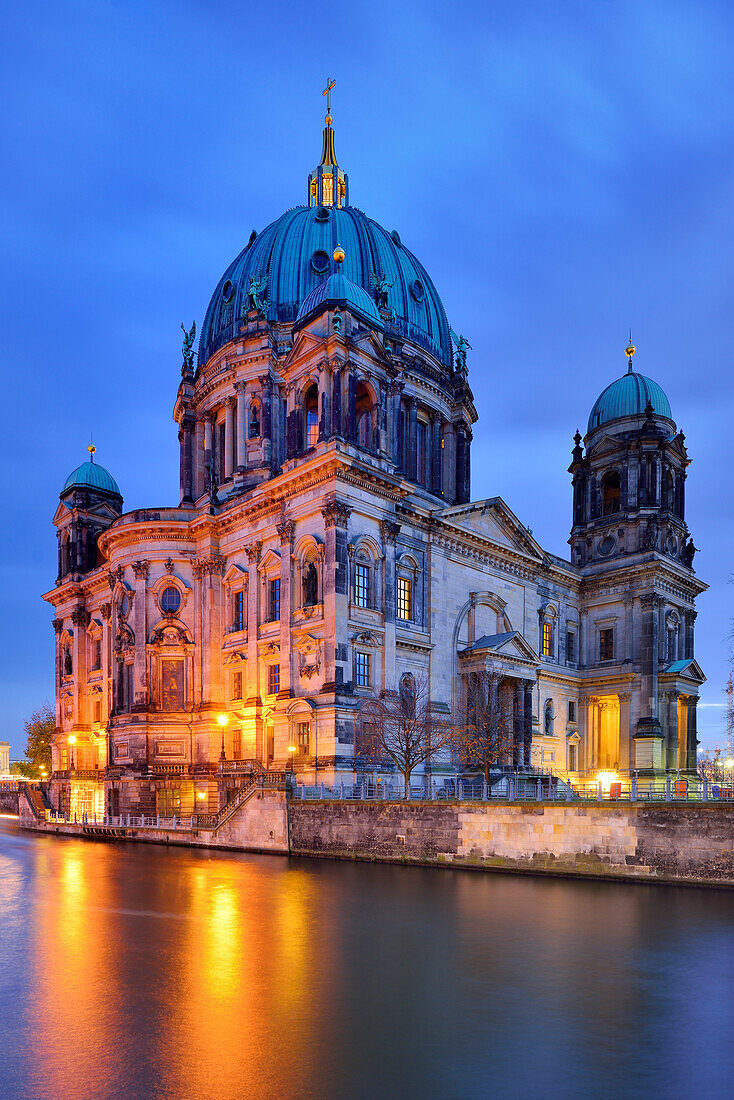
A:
[(188, 346), (382, 285), (256, 299), (462, 346)]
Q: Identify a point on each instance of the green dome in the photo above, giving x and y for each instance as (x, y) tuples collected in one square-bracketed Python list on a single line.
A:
[(294, 255), (628, 396), (90, 475), (339, 291)]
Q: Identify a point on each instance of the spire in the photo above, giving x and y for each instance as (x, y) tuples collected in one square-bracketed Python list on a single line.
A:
[(629, 351), (328, 185)]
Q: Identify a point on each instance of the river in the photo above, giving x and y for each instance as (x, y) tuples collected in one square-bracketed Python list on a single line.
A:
[(139, 971)]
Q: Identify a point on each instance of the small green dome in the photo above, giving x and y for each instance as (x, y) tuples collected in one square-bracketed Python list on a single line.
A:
[(628, 396), (339, 291), (90, 475)]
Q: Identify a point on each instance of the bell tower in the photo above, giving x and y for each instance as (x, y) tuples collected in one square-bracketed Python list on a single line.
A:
[(630, 542)]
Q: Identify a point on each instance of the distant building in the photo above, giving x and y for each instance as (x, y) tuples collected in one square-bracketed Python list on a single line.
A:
[(325, 547), (4, 757)]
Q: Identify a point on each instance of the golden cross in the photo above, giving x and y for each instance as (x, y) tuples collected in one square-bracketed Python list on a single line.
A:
[(327, 92)]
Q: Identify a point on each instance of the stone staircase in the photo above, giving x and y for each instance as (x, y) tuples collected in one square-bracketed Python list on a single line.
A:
[(259, 779)]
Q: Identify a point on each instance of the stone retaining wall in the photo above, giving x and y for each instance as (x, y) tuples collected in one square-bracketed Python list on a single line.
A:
[(692, 842)]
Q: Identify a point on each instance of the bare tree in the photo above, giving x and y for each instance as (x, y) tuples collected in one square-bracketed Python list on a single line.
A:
[(401, 726), (486, 735)]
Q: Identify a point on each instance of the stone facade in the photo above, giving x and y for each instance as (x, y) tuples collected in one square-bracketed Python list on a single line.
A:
[(325, 546)]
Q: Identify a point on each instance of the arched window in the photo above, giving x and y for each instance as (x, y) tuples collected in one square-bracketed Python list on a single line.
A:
[(364, 417), (610, 493), (170, 600), (311, 412)]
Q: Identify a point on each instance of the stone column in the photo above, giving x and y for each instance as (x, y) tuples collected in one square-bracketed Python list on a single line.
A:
[(336, 401), (518, 722), (324, 410), (139, 700), (286, 532), (528, 722), (241, 433), (80, 618), (390, 532), (253, 552), (228, 438), (336, 518), (411, 450), (186, 441), (625, 731), (649, 719), (208, 450), (106, 661), (200, 463), (351, 432), (436, 454), (266, 426), (58, 625), (689, 619), (692, 734), (395, 393)]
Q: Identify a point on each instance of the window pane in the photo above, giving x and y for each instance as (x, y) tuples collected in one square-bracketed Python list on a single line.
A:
[(303, 739), (547, 639), (362, 669), (570, 646), (606, 645), (362, 585), (273, 679), (239, 611), (275, 599), (405, 593), (171, 599)]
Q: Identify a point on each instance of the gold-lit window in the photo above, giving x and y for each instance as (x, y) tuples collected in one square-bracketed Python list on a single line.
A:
[(327, 183), (303, 738), (405, 598), (547, 640), (236, 685)]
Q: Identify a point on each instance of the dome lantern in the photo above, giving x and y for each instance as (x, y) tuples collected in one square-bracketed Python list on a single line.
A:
[(328, 184)]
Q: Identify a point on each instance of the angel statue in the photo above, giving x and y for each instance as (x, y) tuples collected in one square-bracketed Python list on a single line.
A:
[(382, 284), (188, 346), (462, 345), (255, 296)]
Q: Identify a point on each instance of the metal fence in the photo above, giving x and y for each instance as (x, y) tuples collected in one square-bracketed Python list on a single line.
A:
[(520, 787), (125, 821)]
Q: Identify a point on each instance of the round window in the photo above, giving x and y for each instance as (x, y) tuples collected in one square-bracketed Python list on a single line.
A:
[(417, 291), (320, 262), (228, 291), (170, 600), (322, 214)]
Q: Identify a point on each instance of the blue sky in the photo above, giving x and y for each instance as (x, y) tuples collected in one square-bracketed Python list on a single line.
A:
[(564, 171)]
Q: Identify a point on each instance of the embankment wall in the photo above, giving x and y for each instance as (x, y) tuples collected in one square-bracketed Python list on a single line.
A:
[(673, 842)]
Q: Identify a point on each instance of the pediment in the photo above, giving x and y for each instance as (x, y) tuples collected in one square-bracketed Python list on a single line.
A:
[(510, 646), (607, 445), (493, 520), (234, 574), (305, 344), (689, 670), (270, 560)]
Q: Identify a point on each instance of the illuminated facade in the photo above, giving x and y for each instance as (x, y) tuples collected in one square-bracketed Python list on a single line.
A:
[(325, 546)]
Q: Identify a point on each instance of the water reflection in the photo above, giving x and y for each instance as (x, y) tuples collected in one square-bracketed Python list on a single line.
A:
[(136, 971)]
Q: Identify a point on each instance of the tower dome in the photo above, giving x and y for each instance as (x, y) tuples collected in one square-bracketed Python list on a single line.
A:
[(337, 290), (90, 475), (628, 396)]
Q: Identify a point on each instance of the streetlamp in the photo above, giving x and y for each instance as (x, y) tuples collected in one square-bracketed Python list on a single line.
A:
[(291, 754), (222, 720), (72, 741)]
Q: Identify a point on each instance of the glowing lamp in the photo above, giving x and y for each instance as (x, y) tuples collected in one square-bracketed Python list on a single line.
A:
[(222, 719), (291, 748), (201, 795), (729, 763), (606, 779), (71, 739)]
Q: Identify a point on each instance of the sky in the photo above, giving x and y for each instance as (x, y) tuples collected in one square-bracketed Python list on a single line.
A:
[(563, 170)]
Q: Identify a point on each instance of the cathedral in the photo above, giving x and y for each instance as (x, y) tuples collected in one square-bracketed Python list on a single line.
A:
[(326, 546)]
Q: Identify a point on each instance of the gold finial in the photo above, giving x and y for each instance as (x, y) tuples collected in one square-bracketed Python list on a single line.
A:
[(327, 92), (92, 449), (629, 351), (338, 254)]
